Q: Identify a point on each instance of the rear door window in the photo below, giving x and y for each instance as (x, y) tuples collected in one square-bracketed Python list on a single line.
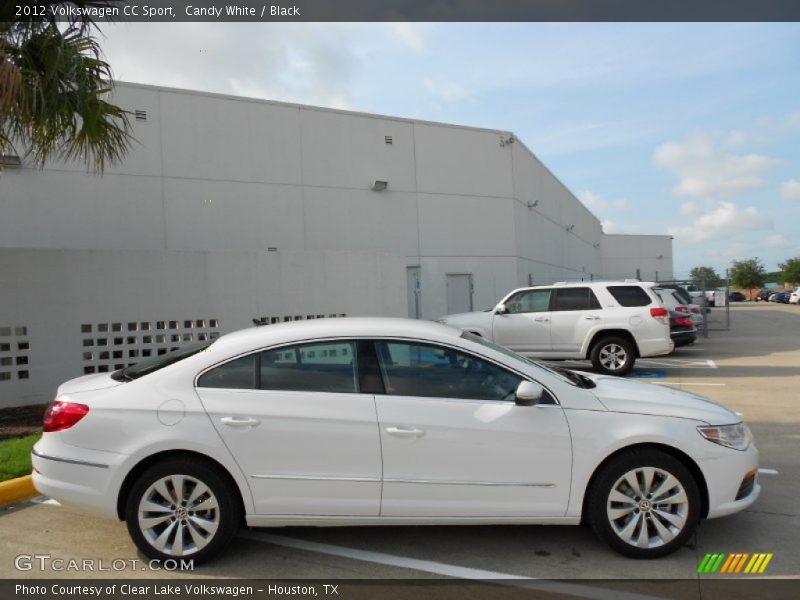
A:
[(320, 367), (575, 298), (629, 295)]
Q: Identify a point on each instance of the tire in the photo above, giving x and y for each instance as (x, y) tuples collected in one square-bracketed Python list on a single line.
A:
[(203, 533), (667, 527), (613, 355)]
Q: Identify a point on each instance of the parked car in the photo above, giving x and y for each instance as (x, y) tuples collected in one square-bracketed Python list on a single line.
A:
[(681, 329), (794, 297), (763, 295), (390, 422), (780, 297), (610, 323), (737, 297), (674, 302)]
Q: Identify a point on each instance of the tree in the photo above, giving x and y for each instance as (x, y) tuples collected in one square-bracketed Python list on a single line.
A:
[(791, 270), (54, 86), (712, 280), (748, 274)]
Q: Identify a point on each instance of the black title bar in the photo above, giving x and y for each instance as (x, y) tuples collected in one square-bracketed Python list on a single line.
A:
[(412, 10)]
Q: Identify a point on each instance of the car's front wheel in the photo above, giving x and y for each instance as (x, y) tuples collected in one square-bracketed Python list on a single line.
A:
[(182, 508), (613, 356), (644, 504)]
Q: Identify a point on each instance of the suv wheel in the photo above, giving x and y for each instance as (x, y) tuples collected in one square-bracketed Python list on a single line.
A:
[(182, 508), (613, 356), (644, 504)]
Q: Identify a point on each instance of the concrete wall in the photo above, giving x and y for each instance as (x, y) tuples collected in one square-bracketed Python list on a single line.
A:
[(650, 254), (66, 305)]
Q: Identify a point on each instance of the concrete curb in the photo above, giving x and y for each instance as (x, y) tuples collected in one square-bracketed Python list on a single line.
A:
[(17, 489)]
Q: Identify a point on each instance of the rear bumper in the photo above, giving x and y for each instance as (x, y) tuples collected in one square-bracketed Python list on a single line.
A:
[(681, 338), (85, 483), (655, 347)]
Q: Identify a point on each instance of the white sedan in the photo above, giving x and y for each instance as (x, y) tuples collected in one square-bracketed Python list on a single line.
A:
[(385, 422)]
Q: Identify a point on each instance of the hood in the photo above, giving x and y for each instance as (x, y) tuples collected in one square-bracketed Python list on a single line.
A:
[(87, 383), (627, 396)]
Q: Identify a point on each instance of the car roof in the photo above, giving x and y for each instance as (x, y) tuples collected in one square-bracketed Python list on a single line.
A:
[(296, 331)]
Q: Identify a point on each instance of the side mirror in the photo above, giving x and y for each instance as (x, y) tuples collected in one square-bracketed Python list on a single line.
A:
[(501, 310), (529, 393)]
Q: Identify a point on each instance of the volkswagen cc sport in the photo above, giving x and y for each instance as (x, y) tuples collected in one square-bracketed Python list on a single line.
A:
[(385, 422)]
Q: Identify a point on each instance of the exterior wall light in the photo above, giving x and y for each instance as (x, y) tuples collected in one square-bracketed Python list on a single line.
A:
[(378, 185)]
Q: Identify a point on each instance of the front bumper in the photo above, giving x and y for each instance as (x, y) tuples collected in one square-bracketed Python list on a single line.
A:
[(724, 474)]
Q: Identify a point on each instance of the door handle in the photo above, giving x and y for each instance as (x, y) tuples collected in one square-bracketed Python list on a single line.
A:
[(237, 422), (591, 318), (541, 319), (405, 431)]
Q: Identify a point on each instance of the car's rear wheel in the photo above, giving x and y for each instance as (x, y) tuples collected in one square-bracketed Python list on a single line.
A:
[(181, 508), (644, 504), (613, 355)]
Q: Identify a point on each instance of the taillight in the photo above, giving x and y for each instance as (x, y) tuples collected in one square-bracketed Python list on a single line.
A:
[(682, 309), (659, 312), (63, 415), (683, 322), (696, 311)]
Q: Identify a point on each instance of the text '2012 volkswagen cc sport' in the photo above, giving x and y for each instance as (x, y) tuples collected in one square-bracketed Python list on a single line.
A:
[(385, 421)]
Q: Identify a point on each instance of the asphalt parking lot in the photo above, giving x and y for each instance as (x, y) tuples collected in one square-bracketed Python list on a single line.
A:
[(754, 369)]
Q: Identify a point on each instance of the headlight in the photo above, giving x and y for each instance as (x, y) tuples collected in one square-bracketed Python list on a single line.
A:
[(736, 436)]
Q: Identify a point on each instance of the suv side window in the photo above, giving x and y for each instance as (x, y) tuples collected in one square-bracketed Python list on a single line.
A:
[(575, 298), (629, 295), (425, 370), (318, 367), (529, 301)]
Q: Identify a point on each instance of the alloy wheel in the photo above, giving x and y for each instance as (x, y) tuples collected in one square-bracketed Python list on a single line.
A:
[(613, 356), (178, 515), (647, 507)]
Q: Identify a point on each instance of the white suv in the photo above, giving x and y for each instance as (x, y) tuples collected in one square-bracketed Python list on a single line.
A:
[(609, 322)]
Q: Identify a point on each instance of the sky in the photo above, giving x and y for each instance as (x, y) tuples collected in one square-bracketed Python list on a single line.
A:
[(691, 129)]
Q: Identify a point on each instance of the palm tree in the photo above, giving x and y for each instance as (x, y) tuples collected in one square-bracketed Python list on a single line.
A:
[(54, 86)]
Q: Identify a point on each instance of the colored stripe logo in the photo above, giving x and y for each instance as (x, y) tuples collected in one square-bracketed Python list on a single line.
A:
[(737, 562)]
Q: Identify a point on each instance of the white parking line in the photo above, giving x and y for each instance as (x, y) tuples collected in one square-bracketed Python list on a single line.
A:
[(437, 568), (711, 364), (768, 472)]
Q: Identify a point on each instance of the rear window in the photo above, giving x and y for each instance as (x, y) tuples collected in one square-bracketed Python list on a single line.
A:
[(151, 365), (629, 295)]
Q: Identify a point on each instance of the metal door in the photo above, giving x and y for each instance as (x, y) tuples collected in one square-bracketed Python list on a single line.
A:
[(459, 293), (413, 291)]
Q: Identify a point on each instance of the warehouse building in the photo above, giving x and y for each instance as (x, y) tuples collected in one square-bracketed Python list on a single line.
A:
[(229, 209)]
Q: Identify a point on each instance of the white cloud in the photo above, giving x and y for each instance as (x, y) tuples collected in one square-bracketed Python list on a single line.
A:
[(776, 240), (790, 190), (722, 220), (597, 203), (610, 226), (447, 91), (309, 63), (705, 166), (411, 35)]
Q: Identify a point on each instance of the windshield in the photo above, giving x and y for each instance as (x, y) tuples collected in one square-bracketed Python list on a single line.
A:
[(563, 374), (151, 365)]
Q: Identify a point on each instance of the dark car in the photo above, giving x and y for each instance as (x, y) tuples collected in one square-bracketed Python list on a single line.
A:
[(681, 329), (764, 295), (737, 297)]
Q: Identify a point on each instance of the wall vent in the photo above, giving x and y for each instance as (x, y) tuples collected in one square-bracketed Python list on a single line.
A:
[(141, 115), (387, 139)]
